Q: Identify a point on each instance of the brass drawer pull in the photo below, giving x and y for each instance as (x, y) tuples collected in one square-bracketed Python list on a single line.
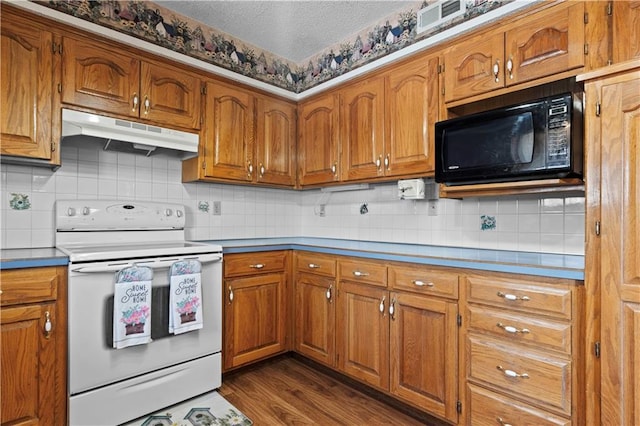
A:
[(513, 297), (360, 274), (47, 325), (502, 422), (329, 293), (313, 266), (422, 283), (512, 329), (257, 266), (511, 373)]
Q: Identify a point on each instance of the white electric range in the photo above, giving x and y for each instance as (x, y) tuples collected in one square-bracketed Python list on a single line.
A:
[(109, 386)]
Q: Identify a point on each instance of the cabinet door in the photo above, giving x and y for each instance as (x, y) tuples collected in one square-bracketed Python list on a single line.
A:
[(363, 130), (551, 43), (96, 77), (169, 95), (276, 141), (363, 333), (254, 318), (474, 67), (28, 365), (626, 30), (318, 141), (412, 99), (315, 318), (228, 133), (620, 247), (26, 95), (424, 353)]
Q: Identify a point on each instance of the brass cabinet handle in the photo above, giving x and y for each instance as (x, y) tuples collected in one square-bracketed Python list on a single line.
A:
[(502, 422), (422, 283), (381, 307), (360, 274), (379, 162), (329, 293), (230, 295), (135, 102), (334, 169), (47, 325), (386, 162), (510, 68), (147, 105), (496, 70), (511, 373), (511, 329), (392, 309), (257, 266), (249, 170), (513, 297), (313, 266), (262, 170)]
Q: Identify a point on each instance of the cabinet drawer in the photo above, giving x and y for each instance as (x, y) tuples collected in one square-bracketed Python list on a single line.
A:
[(254, 263), (520, 328), (316, 263), (531, 376), (363, 271), (28, 285), (423, 280), (488, 408), (520, 295)]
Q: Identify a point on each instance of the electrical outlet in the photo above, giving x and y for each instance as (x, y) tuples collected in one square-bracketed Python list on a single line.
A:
[(217, 208), (433, 207)]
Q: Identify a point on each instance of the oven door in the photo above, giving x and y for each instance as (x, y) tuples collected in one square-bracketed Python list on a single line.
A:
[(92, 360)]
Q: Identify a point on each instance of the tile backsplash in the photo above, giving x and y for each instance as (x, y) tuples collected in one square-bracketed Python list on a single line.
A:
[(220, 211)]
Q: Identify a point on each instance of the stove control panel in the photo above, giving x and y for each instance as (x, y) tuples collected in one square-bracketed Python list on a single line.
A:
[(118, 215)]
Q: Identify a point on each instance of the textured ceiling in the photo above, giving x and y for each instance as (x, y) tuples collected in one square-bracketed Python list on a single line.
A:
[(294, 29)]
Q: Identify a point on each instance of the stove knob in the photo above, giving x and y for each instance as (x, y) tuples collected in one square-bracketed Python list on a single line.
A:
[(71, 211), (179, 213), (168, 212), (86, 211)]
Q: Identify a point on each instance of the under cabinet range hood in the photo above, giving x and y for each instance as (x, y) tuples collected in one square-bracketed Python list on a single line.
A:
[(128, 136)]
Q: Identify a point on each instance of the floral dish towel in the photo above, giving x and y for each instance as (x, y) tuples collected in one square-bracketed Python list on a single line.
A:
[(132, 307), (185, 297)]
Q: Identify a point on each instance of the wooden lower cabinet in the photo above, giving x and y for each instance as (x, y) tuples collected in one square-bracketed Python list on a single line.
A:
[(522, 350), (255, 314), (424, 347), (33, 342)]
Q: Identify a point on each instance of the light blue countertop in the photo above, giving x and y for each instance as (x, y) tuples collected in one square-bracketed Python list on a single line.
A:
[(32, 258), (530, 263)]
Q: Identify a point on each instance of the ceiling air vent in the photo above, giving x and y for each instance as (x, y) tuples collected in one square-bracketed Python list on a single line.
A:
[(439, 12)]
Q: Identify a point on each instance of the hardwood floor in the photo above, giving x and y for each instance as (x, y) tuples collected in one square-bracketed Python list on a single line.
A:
[(287, 391)]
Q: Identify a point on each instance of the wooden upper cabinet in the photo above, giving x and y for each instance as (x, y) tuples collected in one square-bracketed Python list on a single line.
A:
[(276, 142), (362, 121), (473, 67), (170, 95), (388, 122), (546, 43), (412, 101), (109, 80), (552, 42), (626, 30), (318, 140), (228, 133), (28, 73)]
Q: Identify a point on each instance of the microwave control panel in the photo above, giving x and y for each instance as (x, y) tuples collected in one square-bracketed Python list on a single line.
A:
[(559, 132)]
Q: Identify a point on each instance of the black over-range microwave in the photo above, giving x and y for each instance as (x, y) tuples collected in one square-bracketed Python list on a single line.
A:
[(535, 140)]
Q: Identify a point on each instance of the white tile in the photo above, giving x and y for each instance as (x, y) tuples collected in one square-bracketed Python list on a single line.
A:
[(552, 223), (88, 186), (529, 223), (507, 206), (18, 238), (574, 205), (126, 190), (107, 188), (126, 159), (18, 182), (18, 219), (574, 224), (107, 157), (42, 238), (528, 206), (552, 205), (126, 173), (67, 184), (552, 243)]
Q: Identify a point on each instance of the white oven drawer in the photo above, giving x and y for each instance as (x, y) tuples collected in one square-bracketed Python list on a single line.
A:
[(130, 399)]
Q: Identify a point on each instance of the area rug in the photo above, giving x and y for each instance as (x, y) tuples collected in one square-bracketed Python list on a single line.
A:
[(205, 410)]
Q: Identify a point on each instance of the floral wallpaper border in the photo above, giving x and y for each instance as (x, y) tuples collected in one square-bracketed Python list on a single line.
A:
[(153, 23)]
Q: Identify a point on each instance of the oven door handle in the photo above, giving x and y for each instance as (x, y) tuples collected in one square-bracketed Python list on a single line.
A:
[(207, 258)]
